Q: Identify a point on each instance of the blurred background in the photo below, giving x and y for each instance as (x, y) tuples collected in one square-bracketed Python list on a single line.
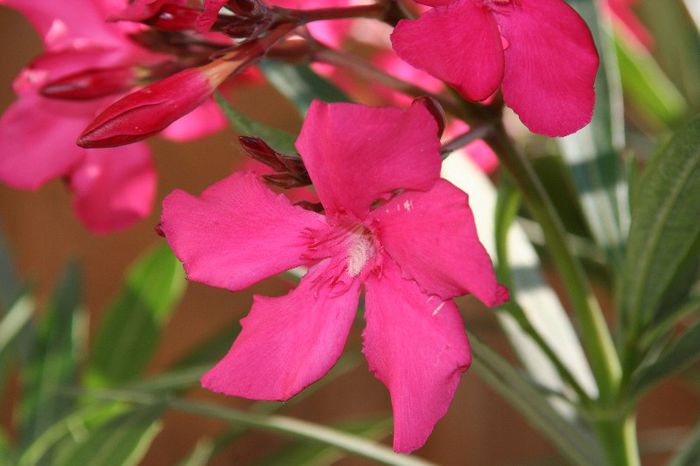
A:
[(479, 429)]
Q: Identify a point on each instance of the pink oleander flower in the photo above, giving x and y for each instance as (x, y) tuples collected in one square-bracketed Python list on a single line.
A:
[(539, 52), (391, 226), (87, 64)]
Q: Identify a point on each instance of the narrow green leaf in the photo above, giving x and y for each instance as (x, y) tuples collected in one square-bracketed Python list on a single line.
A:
[(10, 282), (12, 324), (574, 444), (5, 448), (53, 361), (122, 441), (305, 453), (283, 425), (648, 89), (593, 152), (536, 299), (68, 431), (279, 140), (682, 352), (676, 44), (665, 234), (689, 453), (301, 85), (132, 325), (201, 454)]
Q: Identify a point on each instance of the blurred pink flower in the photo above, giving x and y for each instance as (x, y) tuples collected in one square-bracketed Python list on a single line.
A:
[(540, 52), (87, 64), (37, 134), (390, 225), (626, 21)]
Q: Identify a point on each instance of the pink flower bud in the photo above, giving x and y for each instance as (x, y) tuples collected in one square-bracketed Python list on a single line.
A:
[(152, 108), (91, 83)]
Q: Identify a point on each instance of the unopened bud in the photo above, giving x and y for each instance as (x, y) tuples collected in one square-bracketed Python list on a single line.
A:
[(151, 109), (91, 84), (290, 171)]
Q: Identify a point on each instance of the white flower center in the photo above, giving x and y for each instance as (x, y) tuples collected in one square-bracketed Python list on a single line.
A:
[(360, 249)]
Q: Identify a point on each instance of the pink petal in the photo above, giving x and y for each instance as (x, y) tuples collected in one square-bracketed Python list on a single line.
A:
[(59, 23), (416, 345), (433, 238), (434, 3), (36, 144), (237, 232), (205, 120), (53, 65), (210, 14), (551, 64), (355, 154), (290, 342), (114, 188), (331, 33), (458, 43)]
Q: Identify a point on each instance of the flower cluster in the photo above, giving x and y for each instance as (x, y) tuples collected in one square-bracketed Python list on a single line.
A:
[(114, 73)]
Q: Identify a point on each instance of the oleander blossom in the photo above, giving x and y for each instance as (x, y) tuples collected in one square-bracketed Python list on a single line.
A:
[(112, 188), (391, 226), (539, 52)]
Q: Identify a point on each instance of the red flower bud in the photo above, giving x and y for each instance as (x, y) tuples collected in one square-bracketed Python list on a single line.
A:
[(175, 18), (152, 108), (91, 83)]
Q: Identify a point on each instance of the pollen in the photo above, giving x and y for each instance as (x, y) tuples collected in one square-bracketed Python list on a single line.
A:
[(360, 250)]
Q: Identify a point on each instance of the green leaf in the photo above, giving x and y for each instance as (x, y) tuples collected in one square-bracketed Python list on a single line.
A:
[(648, 89), (689, 453), (5, 448), (575, 445), (283, 425), (53, 361), (593, 152), (122, 441), (10, 283), (301, 85), (279, 140), (132, 325), (676, 44), (305, 453), (203, 451), (519, 267), (68, 431), (665, 234), (682, 352), (12, 324)]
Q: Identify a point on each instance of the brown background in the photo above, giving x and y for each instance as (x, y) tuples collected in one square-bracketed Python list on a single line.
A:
[(480, 428)]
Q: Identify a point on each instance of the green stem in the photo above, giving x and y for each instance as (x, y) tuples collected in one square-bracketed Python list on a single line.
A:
[(595, 334), (619, 440)]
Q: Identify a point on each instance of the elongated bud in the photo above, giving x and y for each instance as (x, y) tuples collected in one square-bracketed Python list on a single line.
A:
[(91, 84), (152, 108)]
